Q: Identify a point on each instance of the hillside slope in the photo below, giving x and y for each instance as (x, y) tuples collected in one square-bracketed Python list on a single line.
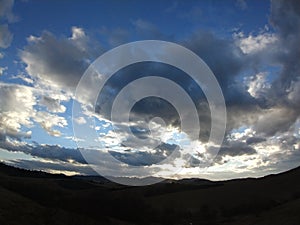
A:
[(29, 198)]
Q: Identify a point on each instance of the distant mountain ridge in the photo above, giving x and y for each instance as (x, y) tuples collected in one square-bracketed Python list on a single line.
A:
[(38, 198)]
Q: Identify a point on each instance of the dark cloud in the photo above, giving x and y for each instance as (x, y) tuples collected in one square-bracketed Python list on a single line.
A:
[(218, 53), (145, 158), (54, 166), (236, 149), (276, 120), (52, 152), (151, 107), (255, 140), (283, 103), (285, 17)]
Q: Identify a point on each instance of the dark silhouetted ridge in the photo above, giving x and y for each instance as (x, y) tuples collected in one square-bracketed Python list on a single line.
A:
[(38, 198)]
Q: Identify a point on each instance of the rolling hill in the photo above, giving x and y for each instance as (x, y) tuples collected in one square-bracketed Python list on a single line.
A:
[(38, 198)]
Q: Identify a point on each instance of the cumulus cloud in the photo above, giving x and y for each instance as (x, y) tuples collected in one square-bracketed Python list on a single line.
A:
[(257, 85), (59, 62), (16, 108), (253, 44), (18, 111), (48, 121)]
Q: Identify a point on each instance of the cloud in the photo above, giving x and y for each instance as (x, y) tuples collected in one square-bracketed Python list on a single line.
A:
[(59, 63), (263, 107), (2, 69), (275, 120), (48, 121), (142, 158), (6, 10), (255, 140), (285, 17), (49, 152), (57, 167), (16, 108), (80, 120), (257, 85), (53, 105), (294, 94), (6, 16), (253, 44), (236, 149), (18, 112), (6, 36)]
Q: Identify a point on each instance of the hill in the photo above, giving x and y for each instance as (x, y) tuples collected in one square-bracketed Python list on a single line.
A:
[(38, 198)]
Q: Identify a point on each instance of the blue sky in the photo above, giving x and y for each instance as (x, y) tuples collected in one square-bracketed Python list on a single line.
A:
[(250, 46)]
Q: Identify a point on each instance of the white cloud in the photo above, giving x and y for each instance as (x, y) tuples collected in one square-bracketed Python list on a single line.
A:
[(23, 77), (254, 44), (2, 69), (48, 121), (16, 108), (78, 33), (80, 120), (257, 85)]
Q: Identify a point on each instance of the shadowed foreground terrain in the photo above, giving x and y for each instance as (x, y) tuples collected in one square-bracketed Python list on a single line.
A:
[(37, 198)]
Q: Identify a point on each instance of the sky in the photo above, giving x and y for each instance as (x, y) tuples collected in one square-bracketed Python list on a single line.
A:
[(252, 48)]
